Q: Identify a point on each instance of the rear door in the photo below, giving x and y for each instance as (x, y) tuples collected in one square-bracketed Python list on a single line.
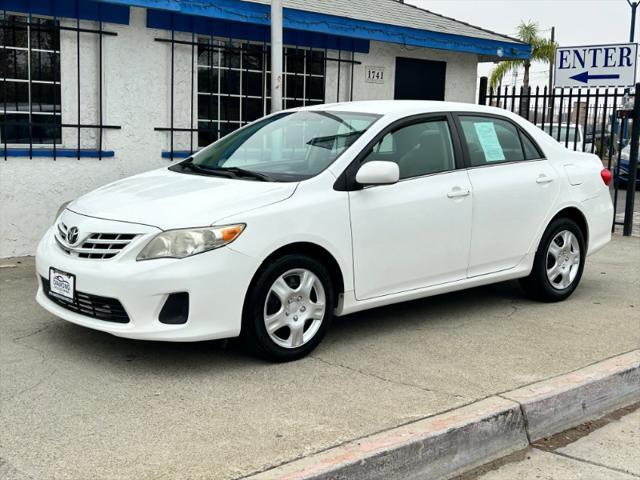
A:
[(514, 188)]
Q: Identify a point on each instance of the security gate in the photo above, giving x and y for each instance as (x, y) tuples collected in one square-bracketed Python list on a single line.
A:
[(598, 121)]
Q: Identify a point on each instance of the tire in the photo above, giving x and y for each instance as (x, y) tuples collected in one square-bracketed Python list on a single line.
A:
[(555, 273), (294, 295)]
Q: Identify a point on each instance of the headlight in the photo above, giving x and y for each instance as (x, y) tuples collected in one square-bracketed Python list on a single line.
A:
[(187, 242), (61, 209)]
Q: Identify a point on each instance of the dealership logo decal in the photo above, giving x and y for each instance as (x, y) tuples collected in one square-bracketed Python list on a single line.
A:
[(72, 235), (59, 283)]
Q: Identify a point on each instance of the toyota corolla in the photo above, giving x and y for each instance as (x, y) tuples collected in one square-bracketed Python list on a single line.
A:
[(311, 213)]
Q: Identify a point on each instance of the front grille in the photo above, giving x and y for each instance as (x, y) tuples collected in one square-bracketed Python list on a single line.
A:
[(94, 306), (97, 245)]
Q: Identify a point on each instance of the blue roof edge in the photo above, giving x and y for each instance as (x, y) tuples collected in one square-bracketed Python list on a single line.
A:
[(257, 13)]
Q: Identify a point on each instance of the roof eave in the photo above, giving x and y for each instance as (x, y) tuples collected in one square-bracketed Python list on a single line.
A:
[(257, 13)]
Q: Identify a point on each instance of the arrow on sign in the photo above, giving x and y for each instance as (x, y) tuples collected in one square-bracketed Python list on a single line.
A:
[(584, 77)]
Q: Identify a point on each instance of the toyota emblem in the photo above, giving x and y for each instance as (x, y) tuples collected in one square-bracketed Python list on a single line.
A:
[(72, 235)]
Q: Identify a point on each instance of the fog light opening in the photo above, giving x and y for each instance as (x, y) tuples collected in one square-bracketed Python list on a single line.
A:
[(176, 309)]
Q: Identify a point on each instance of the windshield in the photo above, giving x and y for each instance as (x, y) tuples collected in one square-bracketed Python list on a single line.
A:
[(565, 133), (289, 146)]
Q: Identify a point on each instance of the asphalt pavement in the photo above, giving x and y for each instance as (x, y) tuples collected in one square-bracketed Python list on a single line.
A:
[(79, 404)]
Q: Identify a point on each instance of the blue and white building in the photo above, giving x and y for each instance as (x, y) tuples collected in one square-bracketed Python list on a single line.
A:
[(93, 91)]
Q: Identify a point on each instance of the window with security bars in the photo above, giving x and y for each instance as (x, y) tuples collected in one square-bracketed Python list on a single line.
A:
[(234, 84), (30, 111)]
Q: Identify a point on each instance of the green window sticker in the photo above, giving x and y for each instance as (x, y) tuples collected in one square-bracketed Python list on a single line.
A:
[(489, 142)]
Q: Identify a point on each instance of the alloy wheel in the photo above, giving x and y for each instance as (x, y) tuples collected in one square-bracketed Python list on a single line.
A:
[(294, 308), (563, 260)]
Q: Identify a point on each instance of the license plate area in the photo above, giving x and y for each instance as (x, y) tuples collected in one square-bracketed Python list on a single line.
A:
[(62, 284)]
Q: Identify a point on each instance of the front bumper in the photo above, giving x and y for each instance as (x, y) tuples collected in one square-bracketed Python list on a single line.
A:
[(216, 282)]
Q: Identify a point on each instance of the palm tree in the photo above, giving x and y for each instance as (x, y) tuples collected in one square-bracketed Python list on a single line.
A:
[(542, 50)]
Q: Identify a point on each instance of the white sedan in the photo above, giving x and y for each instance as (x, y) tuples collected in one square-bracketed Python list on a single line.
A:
[(316, 212)]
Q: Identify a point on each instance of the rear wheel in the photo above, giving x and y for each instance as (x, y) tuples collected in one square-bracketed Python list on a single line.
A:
[(558, 264), (288, 309)]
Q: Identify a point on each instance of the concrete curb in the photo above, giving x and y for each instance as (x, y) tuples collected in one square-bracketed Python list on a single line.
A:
[(560, 403), (429, 448), (450, 443)]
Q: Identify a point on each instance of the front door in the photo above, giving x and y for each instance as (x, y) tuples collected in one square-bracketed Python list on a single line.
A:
[(414, 233), (418, 79)]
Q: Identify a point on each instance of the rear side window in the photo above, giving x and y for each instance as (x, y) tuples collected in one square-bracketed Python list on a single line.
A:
[(491, 140), (531, 152)]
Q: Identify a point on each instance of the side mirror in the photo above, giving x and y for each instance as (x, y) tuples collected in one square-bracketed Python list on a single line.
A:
[(378, 173)]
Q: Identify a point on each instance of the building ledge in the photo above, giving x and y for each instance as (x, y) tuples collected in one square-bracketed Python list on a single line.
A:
[(59, 152), (178, 154)]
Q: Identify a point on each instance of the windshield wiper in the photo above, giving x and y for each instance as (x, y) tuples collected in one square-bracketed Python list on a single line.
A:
[(189, 165), (228, 172), (241, 172)]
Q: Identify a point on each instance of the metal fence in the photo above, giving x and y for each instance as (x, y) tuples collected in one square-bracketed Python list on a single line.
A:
[(598, 121)]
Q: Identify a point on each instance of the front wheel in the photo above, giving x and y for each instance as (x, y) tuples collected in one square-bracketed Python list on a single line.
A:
[(288, 308), (558, 264)]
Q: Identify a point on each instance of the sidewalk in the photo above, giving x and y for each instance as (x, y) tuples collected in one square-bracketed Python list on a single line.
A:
[(611, 451), (82, 404)]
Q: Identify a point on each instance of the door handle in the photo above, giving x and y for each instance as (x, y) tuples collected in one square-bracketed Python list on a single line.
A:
[(542, 178), (458, 192)]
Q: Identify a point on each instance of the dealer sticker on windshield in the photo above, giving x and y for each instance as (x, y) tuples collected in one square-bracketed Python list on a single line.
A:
[(62, 283)]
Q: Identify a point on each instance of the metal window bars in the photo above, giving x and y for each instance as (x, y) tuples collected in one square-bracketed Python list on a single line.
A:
[(229, 81), (38, 26)]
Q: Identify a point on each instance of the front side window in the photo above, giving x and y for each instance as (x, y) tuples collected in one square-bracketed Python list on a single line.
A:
[(29, 80), (418, 149), (491, 140), (289, 146)]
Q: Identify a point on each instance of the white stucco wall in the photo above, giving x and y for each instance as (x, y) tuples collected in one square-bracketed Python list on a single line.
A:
[(136, 96), (460, 79)]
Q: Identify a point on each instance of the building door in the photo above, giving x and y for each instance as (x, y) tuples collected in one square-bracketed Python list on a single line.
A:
[(419, 79)]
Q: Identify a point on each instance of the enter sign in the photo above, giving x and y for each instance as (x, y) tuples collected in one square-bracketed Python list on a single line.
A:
[(596, 65)]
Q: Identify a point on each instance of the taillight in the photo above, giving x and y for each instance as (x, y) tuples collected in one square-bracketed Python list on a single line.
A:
[(605, 173)]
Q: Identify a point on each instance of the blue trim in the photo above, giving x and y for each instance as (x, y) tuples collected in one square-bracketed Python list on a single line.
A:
[(177, 154), (83, 9), (258, 33), (258, 14), (60, 152)]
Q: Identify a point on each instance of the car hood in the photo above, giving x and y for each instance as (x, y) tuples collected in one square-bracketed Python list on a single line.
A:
[(167, 200)]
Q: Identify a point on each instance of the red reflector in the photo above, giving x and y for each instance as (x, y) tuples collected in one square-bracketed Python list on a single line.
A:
[(605, 173)]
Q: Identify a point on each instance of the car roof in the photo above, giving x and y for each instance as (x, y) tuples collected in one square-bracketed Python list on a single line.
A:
[(408, 107)]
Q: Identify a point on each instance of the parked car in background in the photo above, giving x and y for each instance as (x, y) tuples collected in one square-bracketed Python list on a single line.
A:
[(321, 211), (572, 136), (621, 172)]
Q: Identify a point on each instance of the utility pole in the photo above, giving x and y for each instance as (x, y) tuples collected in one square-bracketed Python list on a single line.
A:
[(632, 30), (635, 139), (553, 39), (276, 55), (550, 90)]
